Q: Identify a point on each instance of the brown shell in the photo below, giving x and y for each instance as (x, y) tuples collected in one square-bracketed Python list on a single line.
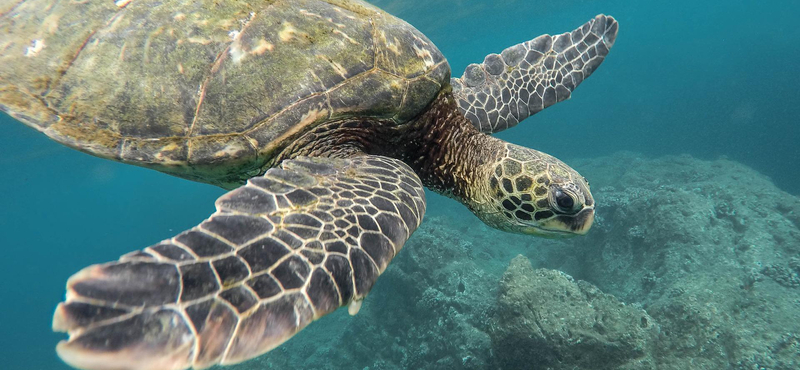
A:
[(207, 90)]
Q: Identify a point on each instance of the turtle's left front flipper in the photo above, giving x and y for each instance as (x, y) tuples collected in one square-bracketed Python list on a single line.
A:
[(528, 77), (279, 252)]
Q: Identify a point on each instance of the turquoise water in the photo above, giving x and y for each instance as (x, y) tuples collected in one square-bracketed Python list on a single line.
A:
[(709, 79)]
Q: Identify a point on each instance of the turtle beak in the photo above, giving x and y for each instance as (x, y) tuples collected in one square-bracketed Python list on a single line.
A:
[(583, 221), (567, 226)]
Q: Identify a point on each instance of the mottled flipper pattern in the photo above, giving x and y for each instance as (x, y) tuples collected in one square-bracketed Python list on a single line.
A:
[(279, 252), (528, 77)]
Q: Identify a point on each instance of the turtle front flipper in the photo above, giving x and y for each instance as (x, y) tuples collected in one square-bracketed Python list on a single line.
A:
[(279, 252), (528, 77)]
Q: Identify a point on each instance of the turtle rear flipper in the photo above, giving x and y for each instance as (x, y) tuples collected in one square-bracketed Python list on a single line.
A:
[(280, 252), (528, 77)]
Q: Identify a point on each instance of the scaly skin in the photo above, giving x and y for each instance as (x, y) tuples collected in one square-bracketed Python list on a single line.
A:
[(509, 187)]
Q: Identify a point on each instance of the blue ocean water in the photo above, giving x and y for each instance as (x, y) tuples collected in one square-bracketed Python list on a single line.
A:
[(709, 79)]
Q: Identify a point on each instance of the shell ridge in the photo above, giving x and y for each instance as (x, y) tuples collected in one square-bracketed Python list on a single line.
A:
[(82, 47), (215, 67)]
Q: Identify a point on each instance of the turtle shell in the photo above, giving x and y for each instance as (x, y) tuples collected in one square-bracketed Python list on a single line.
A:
[(207, 90)]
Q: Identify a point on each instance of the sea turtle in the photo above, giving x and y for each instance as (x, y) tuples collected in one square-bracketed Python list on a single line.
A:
[(325, 117)]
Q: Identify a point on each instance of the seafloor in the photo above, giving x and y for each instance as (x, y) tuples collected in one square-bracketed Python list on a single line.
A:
[(691, 264)]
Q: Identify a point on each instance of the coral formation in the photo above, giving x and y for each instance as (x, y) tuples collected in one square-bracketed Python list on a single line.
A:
[(706, 251)]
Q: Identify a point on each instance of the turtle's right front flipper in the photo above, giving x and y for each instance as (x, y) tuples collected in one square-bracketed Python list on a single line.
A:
[(279, 252), (528, 77)]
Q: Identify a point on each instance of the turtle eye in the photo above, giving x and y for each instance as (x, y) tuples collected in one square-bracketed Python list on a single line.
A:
[(564, 201)]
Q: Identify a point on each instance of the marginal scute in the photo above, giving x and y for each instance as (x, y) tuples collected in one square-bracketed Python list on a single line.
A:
[(439, 74), (211, 152), (274, 132), (166, 151), (418, 95), (402, 50)]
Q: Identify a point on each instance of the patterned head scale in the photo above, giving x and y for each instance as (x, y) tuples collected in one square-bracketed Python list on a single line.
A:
[(535, 193)]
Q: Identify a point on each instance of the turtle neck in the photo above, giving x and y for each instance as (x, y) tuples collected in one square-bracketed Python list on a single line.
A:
[(442, 146), (445, 149)]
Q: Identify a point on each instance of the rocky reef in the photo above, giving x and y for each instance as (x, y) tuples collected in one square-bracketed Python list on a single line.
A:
[(708, 248), (691, 264), (546, 318)]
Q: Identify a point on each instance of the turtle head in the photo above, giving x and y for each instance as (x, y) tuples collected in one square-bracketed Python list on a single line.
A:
[(529, 192)]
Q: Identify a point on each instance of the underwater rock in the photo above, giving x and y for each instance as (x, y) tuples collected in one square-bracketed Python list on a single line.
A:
[(708, 248), (546, 320)]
